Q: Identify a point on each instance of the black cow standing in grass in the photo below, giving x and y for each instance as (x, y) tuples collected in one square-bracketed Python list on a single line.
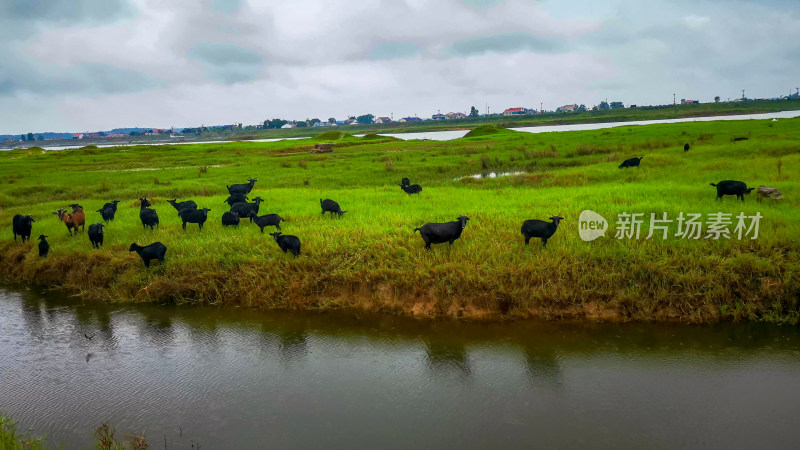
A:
[(330, 206), (156, 250), (287, 243), (632, 162), (732, 187), (439, 233), (44, 247), (198, 216), (96, 234), (22, 225), (149, 217), (540, 229), (242, 188)]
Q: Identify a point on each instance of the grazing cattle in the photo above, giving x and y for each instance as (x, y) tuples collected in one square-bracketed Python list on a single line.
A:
[(540, 229), (287, 243), (686, 147), (737, 139), (96, 234), (731, 187), (156, 250), (72, 220), (439, 233), (44, 247), (244, 209), (269, 220), (180, 206), (405, 182), (768, 192), (632, 162), (330, 206), (149, 217), (198, 216), (107, 214), (22, 226), (235, 198), (412, 189), (230, 219), (242, 188), (112, 204)]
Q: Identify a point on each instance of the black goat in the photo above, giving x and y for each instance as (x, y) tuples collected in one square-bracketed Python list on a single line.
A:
[(230, 219), (731, 187), (242, 188), (413, 189), (633, 162), (330, 206), (112, 204), (405, 182), (156, 250), (287, 242), (244, 209), (145, 202), (149, 217), (686, 147), (180, 206), (22, 225), (235, 198), (540, 229), (269, 220), (107, 214), (96, 234), (439, 233), (198, 216), (44, 247)]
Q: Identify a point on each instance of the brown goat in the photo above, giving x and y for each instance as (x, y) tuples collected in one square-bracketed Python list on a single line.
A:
[(72, 220)]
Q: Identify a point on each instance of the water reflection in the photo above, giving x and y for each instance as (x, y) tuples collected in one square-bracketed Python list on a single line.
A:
[(234, 375)]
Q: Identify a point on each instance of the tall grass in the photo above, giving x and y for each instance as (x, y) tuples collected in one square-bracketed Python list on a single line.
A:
[(371, 259)]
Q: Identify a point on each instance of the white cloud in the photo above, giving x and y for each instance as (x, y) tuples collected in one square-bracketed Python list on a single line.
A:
[(696, 21)]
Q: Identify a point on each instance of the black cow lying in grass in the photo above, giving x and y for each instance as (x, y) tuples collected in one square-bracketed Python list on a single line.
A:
[(633, 162), (412, 189), (732, 187), (156, 250), (439, 233), (540, 229)]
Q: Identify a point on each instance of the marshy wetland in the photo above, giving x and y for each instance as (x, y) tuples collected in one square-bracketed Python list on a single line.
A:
[(371, 260)]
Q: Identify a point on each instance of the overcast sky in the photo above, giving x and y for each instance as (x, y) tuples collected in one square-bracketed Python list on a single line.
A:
[(86, 65)]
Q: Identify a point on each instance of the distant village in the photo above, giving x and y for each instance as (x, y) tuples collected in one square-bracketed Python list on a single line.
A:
[(365, 119)]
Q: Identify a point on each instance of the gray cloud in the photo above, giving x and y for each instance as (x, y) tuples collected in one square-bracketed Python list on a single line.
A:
[(186, 62), (505, 43)]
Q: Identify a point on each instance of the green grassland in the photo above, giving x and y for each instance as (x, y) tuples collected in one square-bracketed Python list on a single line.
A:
[(371, 259)]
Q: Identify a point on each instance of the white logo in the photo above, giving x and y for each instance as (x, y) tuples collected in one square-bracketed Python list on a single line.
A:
[(591, 225)]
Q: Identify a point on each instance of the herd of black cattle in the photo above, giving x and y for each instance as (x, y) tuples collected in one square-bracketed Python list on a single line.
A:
[(432, 233)]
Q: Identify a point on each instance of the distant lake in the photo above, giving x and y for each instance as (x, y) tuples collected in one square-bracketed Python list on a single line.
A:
[(456, 134)]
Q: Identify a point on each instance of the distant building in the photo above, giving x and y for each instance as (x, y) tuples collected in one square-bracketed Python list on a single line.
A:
[(689, 102), (515, 112), (77, 136), (289, 125), (438, 116), (567, 108), (454, 116), (410, 119), (383, 120)]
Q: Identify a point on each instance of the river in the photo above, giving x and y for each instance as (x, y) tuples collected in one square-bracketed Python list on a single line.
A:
[(456, 134), (241, 378)]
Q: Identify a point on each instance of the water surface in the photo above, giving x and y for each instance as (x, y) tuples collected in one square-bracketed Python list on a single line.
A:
[(239, 378)]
